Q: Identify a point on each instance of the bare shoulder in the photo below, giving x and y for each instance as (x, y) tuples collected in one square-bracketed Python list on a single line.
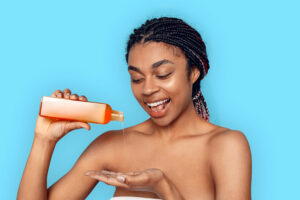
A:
[(229, 138), (230, 156), (107, 138), (229, 143), (110, 149), (110, 142), (231, 164), (103, 148), (113, 138)]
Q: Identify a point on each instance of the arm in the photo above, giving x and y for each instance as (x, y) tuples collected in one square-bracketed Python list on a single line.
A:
[(34, 180), (151, 180), (231, 166), (73, 185)]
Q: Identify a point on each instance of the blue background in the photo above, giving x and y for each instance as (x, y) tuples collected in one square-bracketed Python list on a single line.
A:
[(252, 86)]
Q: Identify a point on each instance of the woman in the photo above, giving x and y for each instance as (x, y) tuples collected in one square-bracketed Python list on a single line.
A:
[(175, 154)]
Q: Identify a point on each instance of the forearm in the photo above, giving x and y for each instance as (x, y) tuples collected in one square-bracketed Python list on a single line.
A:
[(168, 191), (33, 184)]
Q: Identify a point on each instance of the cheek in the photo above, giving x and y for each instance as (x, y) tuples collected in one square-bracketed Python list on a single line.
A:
[(177, 86)]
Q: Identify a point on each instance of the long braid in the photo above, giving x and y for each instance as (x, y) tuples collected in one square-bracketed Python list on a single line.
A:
[(176, 32)]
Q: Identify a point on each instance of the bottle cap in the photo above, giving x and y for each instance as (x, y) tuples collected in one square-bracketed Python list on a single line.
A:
[(117, 115)]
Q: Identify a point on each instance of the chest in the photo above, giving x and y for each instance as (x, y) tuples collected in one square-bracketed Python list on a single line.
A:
[(186, 166)]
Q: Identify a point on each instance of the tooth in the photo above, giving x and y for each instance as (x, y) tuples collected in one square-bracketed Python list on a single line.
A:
[(157, 103)]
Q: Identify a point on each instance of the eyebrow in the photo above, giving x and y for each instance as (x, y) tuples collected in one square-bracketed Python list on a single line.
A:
[(153, 66)]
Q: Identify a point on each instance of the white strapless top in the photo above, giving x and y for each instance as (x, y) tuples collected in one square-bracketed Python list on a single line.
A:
[(132, 198)]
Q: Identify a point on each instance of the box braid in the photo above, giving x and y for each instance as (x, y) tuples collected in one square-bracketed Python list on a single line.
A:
[(176, 32)]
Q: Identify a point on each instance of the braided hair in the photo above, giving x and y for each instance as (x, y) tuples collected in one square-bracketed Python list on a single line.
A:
[(176, 32)]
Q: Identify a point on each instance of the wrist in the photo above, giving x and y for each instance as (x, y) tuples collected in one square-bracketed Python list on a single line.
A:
[(44, 140)]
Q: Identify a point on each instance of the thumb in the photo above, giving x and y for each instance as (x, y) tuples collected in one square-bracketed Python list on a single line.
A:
[(77, 125)]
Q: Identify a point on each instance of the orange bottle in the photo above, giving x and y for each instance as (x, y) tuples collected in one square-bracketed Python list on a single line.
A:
[(86, 111)]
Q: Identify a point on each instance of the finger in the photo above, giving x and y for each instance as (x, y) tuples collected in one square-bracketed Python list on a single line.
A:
[(77, 125), (67, 93), (119, 173), (111, 172), (110, 180), (132, 173), (82, 98), (141, 179), (59, 94), (108, 172), (55, 93), (102, 172), (74, 96)]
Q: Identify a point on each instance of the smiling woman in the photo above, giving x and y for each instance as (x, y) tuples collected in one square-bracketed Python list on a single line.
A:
[(184, 41), (175, 154)]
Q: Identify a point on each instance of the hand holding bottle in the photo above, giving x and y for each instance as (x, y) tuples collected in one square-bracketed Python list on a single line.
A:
[(54, 129)]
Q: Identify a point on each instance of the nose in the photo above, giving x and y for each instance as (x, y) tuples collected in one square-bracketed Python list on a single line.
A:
[(150, 87)]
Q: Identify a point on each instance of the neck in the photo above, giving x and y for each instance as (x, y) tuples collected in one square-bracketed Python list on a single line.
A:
[(186, 124)]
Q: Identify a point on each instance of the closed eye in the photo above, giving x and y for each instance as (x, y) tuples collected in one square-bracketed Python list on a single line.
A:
[(136, 80), (164, 76)]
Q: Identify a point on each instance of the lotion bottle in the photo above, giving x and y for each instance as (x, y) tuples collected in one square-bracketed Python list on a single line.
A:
[(85, 111)]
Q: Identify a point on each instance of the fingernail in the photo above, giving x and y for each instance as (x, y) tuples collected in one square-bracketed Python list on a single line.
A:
[(121, 179)]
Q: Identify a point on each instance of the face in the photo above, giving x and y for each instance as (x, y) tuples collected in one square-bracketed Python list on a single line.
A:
[(159, 80)]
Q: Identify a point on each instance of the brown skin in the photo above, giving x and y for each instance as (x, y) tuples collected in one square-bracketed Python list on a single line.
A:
[(177, 156)]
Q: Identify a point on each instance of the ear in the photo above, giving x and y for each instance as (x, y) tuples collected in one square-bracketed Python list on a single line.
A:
[(194, 74)]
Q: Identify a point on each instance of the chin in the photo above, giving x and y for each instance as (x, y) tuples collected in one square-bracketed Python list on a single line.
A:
[(161, 121)]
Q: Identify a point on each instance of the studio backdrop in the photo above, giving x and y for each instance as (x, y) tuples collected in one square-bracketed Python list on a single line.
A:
[(252, 84)]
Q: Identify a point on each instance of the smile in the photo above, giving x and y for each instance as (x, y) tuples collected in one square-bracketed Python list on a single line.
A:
[(158, 103), (159, 108)]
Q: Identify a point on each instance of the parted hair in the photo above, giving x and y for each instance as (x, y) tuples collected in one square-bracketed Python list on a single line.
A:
[(176, 32)]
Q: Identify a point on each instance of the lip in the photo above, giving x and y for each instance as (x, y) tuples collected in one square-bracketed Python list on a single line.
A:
[(160, 113)]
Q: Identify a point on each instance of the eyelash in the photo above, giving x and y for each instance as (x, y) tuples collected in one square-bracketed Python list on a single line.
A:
[(136, 81), (160, 77), (164, 76)]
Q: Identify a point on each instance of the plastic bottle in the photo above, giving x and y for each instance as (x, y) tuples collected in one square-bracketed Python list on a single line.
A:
[(86, 111)]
